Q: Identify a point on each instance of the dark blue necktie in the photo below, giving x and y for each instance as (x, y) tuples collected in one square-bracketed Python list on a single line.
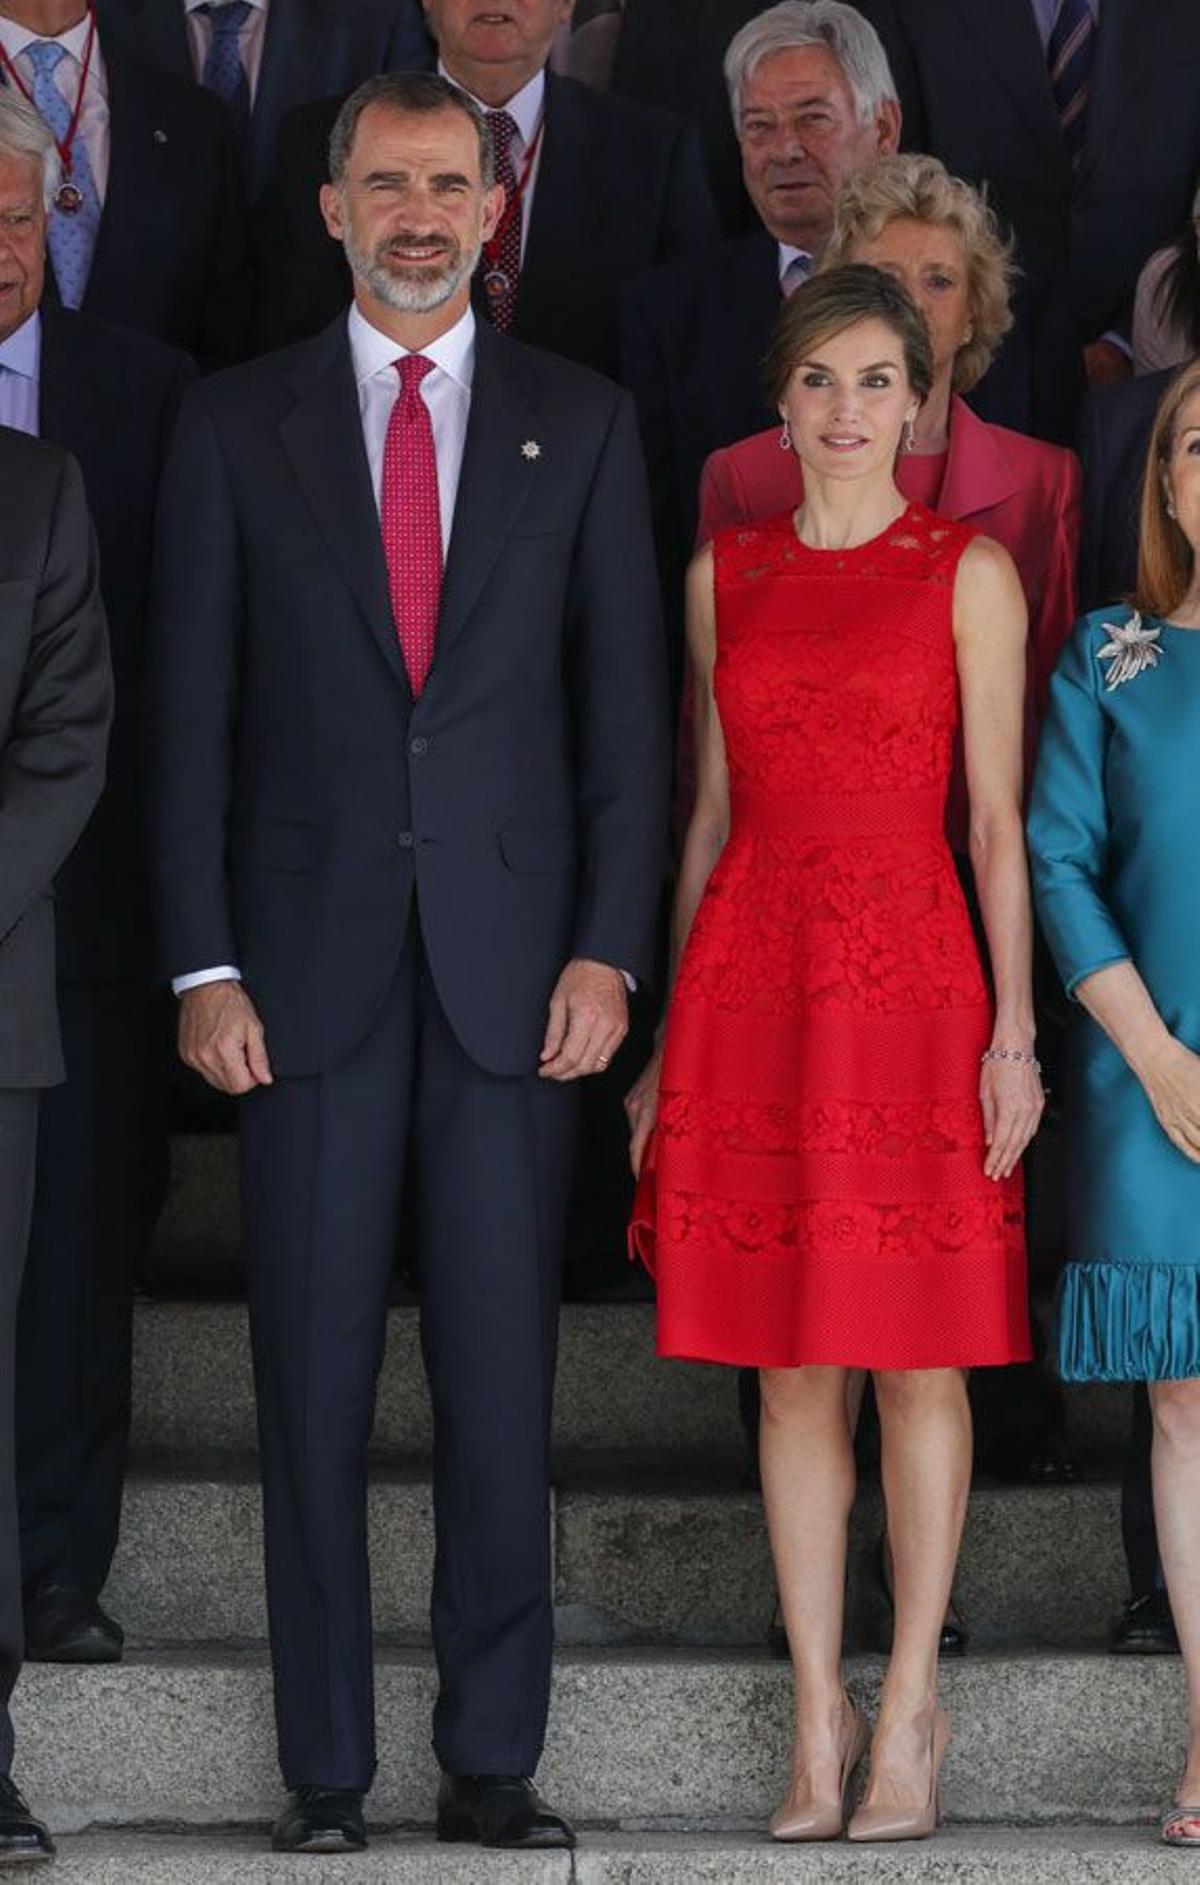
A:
[(223, 71), (1069, 54)]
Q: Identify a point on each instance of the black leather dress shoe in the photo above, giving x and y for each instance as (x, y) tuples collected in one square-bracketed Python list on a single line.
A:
[(498, 1810), (23, 1840), (321, 1819), (65, 1625), (1145, 1627)]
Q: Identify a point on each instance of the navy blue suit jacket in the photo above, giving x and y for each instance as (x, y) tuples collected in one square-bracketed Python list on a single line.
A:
[(172, 255), (303, 800), (1113, 440), (620, 188), (986, 110), (310, 48), (110, 396)]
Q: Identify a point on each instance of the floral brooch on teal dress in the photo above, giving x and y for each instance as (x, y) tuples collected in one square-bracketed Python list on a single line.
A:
[(1131, 649)]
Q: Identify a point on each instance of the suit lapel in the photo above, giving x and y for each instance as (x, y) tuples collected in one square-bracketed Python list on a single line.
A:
[(131, 152), (290, 58), (322, 436), (978, 476), (1119, 47), (1009, 33), (562, 220), (68, 413), (497, 476)]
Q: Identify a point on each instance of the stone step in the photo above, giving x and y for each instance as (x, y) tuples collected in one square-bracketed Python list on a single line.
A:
[(193, 1391), (642, 1554), (684, 1738), (958, 1856)]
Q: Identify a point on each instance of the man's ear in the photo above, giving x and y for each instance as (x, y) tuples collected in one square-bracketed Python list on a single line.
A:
[(493, 209), (888, 126), (331, 211)]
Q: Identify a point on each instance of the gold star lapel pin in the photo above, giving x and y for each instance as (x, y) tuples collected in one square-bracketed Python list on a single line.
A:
[(531, 449)]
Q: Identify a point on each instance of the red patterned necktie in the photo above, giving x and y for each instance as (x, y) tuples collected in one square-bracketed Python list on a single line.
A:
[(502, 266), (410, 518)]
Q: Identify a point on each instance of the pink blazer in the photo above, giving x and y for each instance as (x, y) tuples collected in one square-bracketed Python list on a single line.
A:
[(1024, 493)]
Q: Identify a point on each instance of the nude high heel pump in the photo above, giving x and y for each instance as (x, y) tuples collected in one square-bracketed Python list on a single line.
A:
[(825, 1819), (886, 1822)]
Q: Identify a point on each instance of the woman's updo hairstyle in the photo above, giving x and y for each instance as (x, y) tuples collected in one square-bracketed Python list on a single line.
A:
[(827, 304)]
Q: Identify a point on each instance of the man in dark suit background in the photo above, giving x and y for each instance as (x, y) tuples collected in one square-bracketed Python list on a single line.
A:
[(153, 234), (601, 189), (673, 59), (55, 701), (109, 396), (1083, 119), (814, 102), (265, 56), (422, 815)]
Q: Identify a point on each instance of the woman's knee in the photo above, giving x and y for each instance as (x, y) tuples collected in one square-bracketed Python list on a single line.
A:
[(902, 1393), (810, 1395), (1175, 1409)]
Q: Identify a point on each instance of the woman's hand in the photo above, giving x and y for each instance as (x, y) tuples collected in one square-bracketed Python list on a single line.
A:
[(641, 1108), (1013, 1099), (1172, 1084)]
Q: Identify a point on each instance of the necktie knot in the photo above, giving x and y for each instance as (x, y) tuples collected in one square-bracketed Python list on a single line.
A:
[(227, 19), (45, 56), (412, 368), (796, 274), (503, 127)]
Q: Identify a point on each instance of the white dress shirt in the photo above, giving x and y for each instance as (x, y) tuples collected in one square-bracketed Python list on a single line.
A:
[(92, 129), (447, 394), (525, 109), (20, 369), (250, 39), (1046, 12), (788, 255)]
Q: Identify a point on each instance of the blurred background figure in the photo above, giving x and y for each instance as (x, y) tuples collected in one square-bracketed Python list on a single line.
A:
[(264, 56), (148, 227), (1166, 309)]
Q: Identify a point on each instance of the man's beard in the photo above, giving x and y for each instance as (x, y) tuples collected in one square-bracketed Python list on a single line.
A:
[(418, 290)]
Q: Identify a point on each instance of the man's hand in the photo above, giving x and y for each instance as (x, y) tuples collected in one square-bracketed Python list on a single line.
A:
[(1105, 363), (221, 1036), (589, 1018)]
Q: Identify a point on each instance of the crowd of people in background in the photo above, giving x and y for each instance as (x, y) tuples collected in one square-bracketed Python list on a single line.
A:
[(611, 267)]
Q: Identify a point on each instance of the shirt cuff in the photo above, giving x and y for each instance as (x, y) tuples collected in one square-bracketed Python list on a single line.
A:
[(630, 981), (1120, 341), (226, 973)]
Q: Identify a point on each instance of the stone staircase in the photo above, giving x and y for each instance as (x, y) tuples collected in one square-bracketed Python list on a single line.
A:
[(670, 1724)]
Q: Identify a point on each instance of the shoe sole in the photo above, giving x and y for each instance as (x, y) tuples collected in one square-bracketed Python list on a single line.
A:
[(465, 1833), (83, 1656), (328, 1845)]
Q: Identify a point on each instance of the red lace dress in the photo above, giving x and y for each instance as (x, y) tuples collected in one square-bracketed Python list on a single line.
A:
[(814, 1189)]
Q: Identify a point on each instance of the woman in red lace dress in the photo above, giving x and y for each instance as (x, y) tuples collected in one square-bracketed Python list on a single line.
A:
[(837, 1116)]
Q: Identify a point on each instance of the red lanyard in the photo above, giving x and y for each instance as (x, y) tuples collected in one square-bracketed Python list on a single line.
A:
[(66, 145), (512, 207)]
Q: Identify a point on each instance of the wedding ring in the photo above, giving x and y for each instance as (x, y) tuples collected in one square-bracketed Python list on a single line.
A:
[(602, 1060)]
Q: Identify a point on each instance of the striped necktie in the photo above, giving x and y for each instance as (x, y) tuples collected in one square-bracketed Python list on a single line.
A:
[(1069, 54)]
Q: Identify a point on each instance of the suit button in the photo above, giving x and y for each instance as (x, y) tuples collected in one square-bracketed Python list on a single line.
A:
[(418, 746), (406, 841)]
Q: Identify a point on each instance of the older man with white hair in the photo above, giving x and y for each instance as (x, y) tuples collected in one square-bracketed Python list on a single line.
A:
[(813, 102)]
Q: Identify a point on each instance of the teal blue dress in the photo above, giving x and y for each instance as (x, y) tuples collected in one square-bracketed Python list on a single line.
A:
[(1114, 837)]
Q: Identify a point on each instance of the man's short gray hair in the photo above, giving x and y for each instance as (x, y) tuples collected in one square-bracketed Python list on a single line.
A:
[(23, 133), (842, 30), (417, 92)]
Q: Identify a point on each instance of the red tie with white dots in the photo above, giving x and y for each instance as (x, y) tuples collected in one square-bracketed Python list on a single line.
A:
[(410, 518)]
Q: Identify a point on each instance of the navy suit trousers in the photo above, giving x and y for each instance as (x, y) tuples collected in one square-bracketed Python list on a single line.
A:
[(324, 1162)]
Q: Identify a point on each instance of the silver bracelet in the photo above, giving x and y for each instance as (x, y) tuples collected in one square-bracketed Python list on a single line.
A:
[(1026, 1059)]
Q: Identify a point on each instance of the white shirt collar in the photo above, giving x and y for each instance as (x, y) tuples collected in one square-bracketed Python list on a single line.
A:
[(524, 107), (15, 38), (788, 255), (372, 351), (191, 6), (22, 351)]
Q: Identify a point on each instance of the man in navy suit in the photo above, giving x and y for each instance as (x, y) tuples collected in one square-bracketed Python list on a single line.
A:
[(603, 188), (694, 334), (109, 395), (1083, 119), (281, 53), (150, 230), (410, 788)]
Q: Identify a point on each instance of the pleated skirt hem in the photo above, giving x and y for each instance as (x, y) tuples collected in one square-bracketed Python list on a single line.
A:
[(1129, 1322)]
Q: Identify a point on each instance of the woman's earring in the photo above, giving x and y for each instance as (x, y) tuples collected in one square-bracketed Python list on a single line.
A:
[(1170, 510), (785, 438), (906, 437)]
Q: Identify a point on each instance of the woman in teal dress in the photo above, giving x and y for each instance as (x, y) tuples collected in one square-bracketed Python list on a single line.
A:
[(1114, 839)]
